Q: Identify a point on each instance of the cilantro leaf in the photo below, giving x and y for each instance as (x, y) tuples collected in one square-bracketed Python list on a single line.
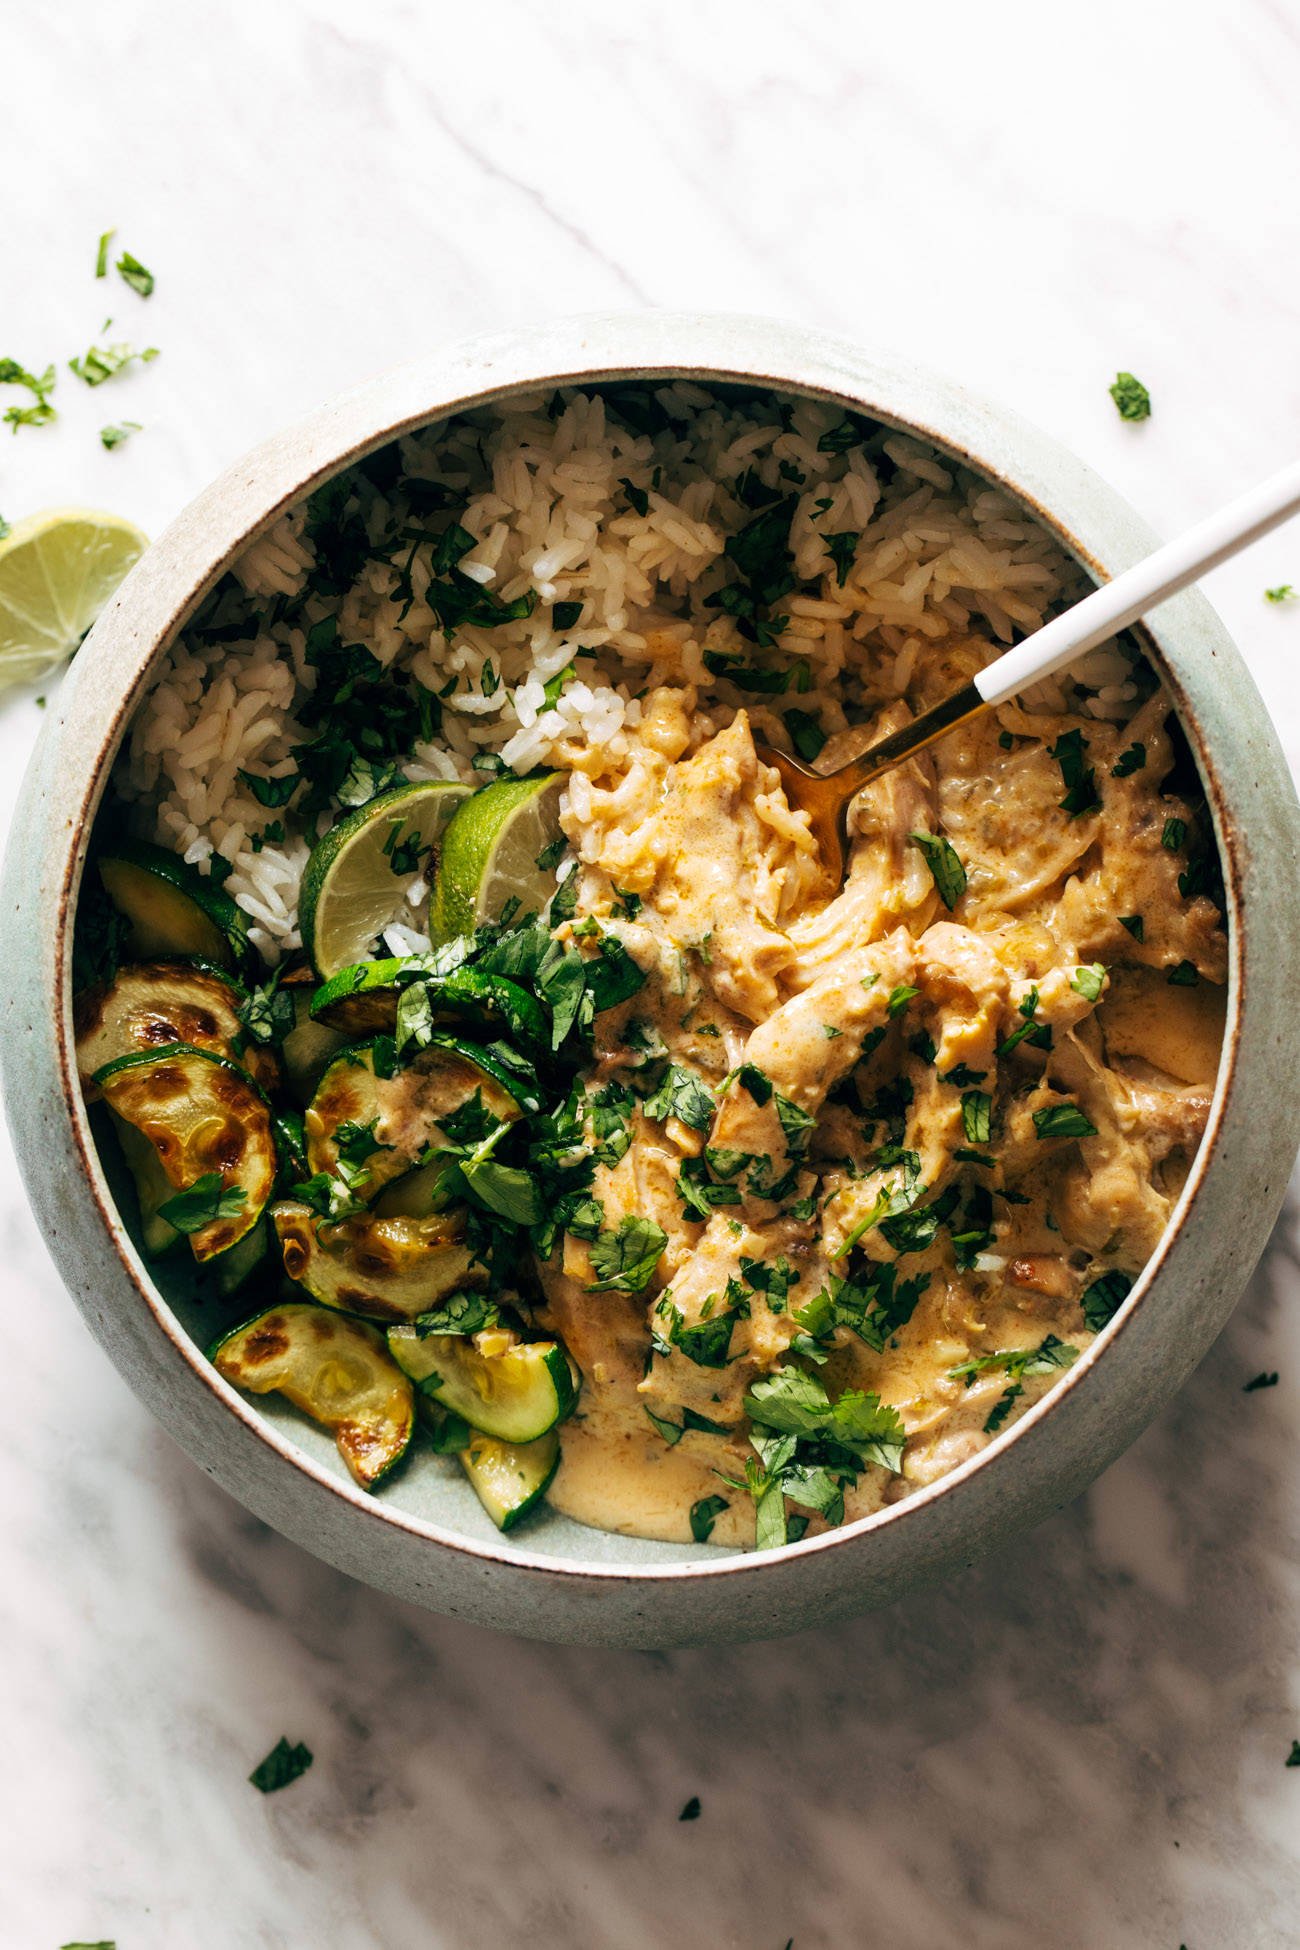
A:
[(1063, 1120), (117, 436), (1102, 1299), (100, 362), (282, 1765), (207, 1199), (704, 1515), (132, 272), (946, 869), (1132, 400), (683, 1095), (624, 1259)]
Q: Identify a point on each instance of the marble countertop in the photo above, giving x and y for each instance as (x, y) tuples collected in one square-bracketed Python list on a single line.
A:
[(1078, 1743)]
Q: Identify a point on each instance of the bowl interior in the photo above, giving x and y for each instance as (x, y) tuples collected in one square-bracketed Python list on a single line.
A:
[(432, 1489)]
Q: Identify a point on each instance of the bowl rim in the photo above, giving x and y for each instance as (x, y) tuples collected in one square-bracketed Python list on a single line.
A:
[(480, 359)]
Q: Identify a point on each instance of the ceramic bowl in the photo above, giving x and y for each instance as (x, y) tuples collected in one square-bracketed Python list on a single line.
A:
[(426, 1539)]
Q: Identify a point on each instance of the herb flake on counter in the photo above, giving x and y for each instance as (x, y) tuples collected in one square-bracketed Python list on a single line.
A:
[(1283, 593), (946, 869), (282, 1766), (1264, 1380), (1132, 400), (117, 436), (39, 385), (100, 362), (132, 272), (1293, 1758), (101, 255), (691, 1812)]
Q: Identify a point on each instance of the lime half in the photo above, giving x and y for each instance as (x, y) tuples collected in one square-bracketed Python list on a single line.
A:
[(355, 882), (57, 571), (498, 856)]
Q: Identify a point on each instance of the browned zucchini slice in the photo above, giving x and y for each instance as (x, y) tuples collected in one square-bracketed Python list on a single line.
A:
[(387, 1269)]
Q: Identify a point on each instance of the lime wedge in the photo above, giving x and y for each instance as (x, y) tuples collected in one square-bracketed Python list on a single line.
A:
[(57, 571), (495, 853), (355, 882)]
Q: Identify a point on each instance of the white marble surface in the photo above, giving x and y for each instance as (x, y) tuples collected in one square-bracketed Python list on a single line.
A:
[(1078, 1744)]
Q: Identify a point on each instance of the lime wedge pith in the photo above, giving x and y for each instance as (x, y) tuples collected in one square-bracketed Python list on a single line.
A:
[(57, 571), (495, 851), (355, 882)]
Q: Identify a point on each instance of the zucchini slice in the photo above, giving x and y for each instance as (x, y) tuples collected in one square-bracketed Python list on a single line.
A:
[(516, 1395), (309, 1048), (201, 1115), (171, 907), (150, 1004), (362, 1000), (510, 1478), (387, 1269), (402, 1113), (334, 1369), (153, 1188), (236, 1267)]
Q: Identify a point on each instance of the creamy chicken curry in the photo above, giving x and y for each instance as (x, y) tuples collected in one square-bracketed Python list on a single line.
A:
[(480, 1030)]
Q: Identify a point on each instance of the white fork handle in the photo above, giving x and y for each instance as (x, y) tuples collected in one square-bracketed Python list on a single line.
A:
[(1117, 604)]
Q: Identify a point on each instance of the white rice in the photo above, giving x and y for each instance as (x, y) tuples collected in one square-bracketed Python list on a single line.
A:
[(941, 559)]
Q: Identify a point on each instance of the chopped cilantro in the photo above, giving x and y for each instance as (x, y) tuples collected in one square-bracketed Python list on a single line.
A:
[(565, 615), (132, 272), (755, 1081), (282, 1765), (682, 1095), (117, 436), (691, 1812), (207, 1199), (39, 385), (839, 438), (551, 855), (806, 735), (1131, 760), (1265, 1380), (707, 1341), (794, 1403), (1284, 593), (704, 1515), (977, 1116), (637, 498), (961, 1075), (100, 362), (271, 793), (1132, 400), (1174, 834), (101, 255), (1079, 780), (1039, 1034), (624, 1259), (1063, 1120), (899, 998), (842, 549), (1102, 1298), (1135, 925), (459, 1313), (1089, 980), (946, 869), (1183, 975)]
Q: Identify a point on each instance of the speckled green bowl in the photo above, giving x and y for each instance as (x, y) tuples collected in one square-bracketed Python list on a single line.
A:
[(426, 1537)]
